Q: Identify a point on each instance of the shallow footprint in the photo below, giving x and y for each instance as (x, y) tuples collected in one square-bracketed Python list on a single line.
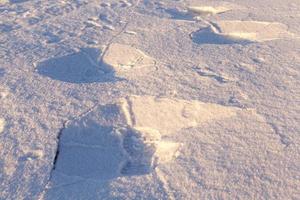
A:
[(123, 59)]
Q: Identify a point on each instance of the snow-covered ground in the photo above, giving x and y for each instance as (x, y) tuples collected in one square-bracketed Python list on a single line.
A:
[(149, 99)]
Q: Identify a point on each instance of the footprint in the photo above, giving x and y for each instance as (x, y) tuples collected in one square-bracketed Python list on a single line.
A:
[(209, 35), (243, 32), (254, 30), (79, 67), (90, 65), (122, 59), (89, 150), (128, 138), (100, 147)]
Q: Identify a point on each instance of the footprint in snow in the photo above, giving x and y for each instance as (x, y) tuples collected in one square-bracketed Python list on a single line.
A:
[(79, 67), (129, 137), (241, 32), (116, 62)]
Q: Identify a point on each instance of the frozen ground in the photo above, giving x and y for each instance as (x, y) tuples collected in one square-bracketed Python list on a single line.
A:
[(142, 99)]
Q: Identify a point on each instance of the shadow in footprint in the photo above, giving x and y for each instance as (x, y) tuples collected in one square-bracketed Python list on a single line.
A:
[(92, 151), (95, 150), (207, 36), (80, 67), (89, 151)]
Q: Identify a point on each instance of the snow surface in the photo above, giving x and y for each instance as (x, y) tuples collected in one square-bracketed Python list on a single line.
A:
[(149, 99)]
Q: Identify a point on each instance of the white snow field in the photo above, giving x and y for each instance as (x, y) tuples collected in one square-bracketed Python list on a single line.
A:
[(149, 99)]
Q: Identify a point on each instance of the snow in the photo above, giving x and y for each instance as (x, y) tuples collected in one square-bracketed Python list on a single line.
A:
[(2, 124), (168, 116), (205, 10), (187, 99), (123, 58), (254, 30)]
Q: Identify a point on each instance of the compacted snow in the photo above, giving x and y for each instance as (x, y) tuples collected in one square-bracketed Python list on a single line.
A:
[(142, 99)]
